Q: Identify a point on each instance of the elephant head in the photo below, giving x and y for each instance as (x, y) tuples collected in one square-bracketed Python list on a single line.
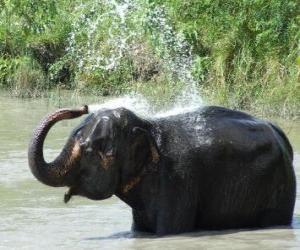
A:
[(107, 153)]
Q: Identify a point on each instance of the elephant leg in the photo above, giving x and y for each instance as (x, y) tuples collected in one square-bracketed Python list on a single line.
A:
[(275, 217), (280, 211), (168, 219), (177, 208), (172, 223), (141, 222)]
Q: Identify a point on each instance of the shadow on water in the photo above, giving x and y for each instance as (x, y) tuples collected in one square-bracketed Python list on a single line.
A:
[(125, 235), (296, 222), (143, 235)]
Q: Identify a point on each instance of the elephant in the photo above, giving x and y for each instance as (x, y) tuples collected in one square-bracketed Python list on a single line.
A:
[(211, 168)]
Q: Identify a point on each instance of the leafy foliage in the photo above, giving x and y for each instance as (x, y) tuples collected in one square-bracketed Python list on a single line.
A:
[(242, 50)]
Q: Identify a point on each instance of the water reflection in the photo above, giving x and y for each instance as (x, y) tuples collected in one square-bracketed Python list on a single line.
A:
[(33, 216)]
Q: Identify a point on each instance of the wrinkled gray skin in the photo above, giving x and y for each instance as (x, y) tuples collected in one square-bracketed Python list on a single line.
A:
[(213, 168)]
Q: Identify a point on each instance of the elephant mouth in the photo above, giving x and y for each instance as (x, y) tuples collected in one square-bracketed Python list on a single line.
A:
[(76, 190), (68, 195)]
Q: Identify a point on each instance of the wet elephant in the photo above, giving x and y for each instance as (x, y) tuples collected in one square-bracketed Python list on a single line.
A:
[(212, 168)]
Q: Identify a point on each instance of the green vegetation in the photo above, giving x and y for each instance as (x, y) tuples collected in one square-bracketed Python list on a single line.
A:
[(246, 52), (247, 49)]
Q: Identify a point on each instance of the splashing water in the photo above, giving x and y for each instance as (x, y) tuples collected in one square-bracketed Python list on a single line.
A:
[(179, 60), (125, 21), (135, 103), (139, 105), (89, 54)]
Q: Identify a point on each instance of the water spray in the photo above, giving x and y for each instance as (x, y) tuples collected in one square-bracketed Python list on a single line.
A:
[(174, 50)]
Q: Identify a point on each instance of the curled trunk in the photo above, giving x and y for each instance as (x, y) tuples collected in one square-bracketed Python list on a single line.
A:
[(54, 173)]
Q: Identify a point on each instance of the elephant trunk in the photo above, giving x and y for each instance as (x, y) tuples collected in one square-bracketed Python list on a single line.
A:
[(54, 173)]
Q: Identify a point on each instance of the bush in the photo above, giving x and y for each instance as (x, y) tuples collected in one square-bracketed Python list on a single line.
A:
[(238, 51), (7, 69), (29, 80)]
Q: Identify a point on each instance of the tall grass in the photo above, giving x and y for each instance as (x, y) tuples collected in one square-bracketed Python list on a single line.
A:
[(245, 52), (250, 49)]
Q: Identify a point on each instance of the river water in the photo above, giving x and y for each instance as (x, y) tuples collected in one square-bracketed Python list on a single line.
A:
[(33, 216)]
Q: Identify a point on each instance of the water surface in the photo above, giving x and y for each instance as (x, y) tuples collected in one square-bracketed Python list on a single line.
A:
[(33, 216)]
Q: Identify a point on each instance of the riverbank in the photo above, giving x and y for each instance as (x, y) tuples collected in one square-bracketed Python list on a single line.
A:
[(164, 98)]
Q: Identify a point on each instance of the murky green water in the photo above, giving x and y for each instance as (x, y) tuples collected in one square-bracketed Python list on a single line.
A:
[(33, 216)]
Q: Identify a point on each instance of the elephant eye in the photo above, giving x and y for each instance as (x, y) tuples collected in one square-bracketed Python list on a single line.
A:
[(103, 144), (110, 152)]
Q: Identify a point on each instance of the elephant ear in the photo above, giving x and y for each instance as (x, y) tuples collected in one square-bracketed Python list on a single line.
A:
[(144, 145), (142, 158)]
